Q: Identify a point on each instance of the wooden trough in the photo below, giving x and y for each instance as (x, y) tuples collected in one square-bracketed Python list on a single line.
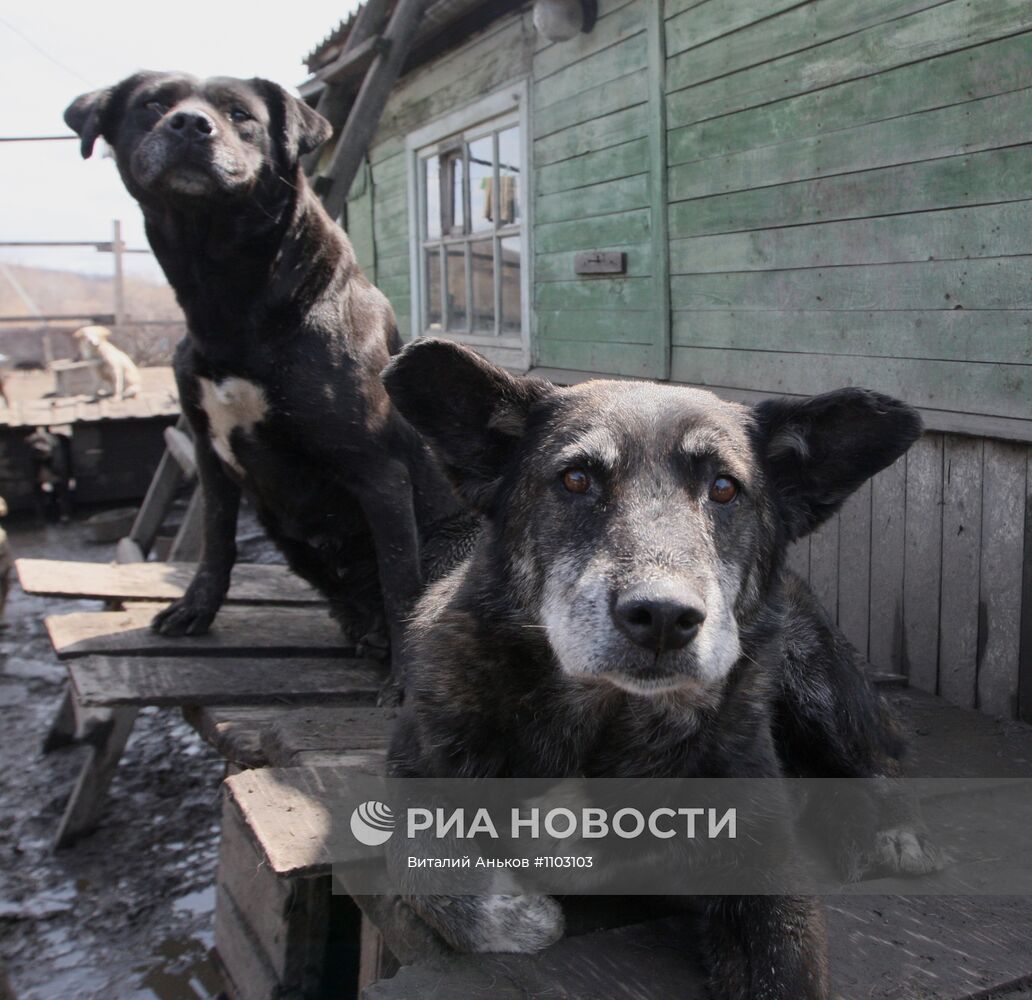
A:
[(274, 691)]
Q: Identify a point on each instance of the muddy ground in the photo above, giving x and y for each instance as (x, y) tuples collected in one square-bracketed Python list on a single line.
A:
[(127, 911)]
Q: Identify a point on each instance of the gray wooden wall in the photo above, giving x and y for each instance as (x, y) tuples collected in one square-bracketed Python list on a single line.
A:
[(923, 568)]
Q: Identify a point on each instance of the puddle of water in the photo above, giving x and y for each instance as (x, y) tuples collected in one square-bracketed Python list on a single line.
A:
[(185, 970)]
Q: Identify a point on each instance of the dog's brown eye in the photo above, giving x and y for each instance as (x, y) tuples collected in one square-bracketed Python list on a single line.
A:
[(723, 489), (157, 107), (239, 115), (576, 481)]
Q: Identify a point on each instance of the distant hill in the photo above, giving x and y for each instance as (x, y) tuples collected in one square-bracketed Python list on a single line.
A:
[(67, 292)]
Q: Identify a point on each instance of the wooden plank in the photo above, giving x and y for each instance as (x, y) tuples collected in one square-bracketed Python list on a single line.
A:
[(597, 293), (993, 176), (247, 973), (854, 567), (159, 680), (999, 390), (622, 93), (922, 572), (888, 539), (824, 566), (690, 29), (1003, 336), (614, 359), (237, 631), (610, 230), (930, 30), (1025, 637), (950, 234), (602, 325), (997, 283), (995, 67), (608, 31), (252, 583), (624, 160), (234, 732), (961, 542), (603, 67), (619, 195), (798, 30), (181, 448), (659, 188), (1002, 555), (969, 127), (341, 729), (590, 137)]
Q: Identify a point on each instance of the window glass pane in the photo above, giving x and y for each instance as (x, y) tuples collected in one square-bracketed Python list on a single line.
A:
[(510, 278), (509, 176), (483, 285), (481, 183), (432, 180), (432, 283), (456, 287)]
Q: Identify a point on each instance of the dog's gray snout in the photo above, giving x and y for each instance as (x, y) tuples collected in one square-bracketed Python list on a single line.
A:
[(193, 123), (659, 616)]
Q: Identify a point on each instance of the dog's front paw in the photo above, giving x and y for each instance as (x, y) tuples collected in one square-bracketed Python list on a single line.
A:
[(902, 850), (193, 613), (520, 924)]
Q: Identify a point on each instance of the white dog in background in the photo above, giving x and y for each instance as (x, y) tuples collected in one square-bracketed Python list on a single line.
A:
[(117, 370)]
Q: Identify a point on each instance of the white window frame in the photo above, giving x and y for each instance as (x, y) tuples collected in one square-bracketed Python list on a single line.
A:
[(509, 106)]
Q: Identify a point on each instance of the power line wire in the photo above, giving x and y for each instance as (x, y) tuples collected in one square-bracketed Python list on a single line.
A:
[(43, 52)]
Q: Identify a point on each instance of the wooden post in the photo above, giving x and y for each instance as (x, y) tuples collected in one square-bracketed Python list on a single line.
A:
[(117, 248)]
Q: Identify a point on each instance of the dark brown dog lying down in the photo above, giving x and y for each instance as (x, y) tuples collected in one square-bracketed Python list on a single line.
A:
[(279, 374), (626, 613)]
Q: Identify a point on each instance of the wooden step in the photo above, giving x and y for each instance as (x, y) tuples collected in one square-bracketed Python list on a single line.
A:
[(221, 680), (252, 583), (237, 631)]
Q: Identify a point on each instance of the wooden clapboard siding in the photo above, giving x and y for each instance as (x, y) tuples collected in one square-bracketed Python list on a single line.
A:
[(922, 569)]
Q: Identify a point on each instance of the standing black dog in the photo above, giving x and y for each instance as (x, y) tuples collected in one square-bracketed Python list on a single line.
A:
[(625, 614), (279, 375)]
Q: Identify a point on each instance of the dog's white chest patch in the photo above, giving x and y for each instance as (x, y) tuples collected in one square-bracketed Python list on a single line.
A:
[(230, 404)]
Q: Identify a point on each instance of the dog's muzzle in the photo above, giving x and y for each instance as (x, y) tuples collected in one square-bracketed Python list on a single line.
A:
[(190, 125)]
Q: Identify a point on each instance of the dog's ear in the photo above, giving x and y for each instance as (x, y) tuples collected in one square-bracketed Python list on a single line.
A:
[(303, 128), (85, 117), (471, 411), (819, 450)]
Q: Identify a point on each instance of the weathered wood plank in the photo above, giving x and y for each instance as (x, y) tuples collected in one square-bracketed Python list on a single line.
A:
[(930, 30), (995, 283), (992, 68), (1002, 552), (237, 631), (623, 93), (325, 729), (709, 21), (922, 573), (950, 234), (888, 511), (603, 325), (234, 732), (854, 568), (621, 195), (252, 583), (616, 359), (609, 230), (159, 680), (1000, 390), (1025, 638), (994, 176), (961, 541), (590, 137), (624, 160), (963, 128), (596, 293), (1003, 336), (558, 265), (614, 28), (596, 70)]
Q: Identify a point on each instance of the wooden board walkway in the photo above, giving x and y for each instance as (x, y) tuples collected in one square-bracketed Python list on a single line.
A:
[(155, 581)]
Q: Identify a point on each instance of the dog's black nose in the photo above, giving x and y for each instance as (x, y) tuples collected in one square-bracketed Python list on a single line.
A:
[(659, 616), (193, 124)]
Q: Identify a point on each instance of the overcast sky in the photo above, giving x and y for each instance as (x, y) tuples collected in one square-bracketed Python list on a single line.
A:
[(47, 192)]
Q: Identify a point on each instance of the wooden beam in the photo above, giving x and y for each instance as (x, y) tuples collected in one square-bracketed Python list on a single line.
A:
[(181, 448), (252, 583), (364, 117), (221, 680)]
